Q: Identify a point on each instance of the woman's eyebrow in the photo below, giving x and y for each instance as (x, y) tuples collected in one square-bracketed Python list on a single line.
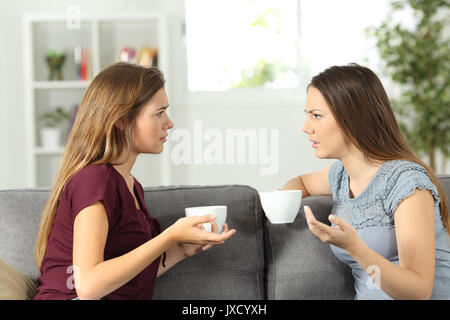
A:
[(312, 110), (162, 108)]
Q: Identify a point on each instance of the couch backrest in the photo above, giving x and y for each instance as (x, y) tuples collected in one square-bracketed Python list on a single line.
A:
[(300, 266), (260, 261), (20, 215), (233, 270), (444, 179)]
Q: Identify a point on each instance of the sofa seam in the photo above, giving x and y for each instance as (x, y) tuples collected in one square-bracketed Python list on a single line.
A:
[(274, 267), (214, 272), (25, 190), (255, 210), (187, 187)]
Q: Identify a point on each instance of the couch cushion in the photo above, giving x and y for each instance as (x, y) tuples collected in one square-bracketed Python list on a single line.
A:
[(14, 285), (20, 215), (444, 180), (301, 266), (233, 270)]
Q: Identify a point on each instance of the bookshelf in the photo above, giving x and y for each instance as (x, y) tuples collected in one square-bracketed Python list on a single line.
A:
[(103, 36)]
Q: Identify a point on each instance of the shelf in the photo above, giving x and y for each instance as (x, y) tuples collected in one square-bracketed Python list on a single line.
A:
[(103, 35), (64, 84)]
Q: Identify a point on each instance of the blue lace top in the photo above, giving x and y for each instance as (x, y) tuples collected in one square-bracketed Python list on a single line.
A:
[(372, 215)]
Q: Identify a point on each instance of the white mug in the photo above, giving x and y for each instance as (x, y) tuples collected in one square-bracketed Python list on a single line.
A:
[(219, 211), (281, 206)]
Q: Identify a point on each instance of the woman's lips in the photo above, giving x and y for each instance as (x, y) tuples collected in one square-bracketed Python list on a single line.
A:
[(164, 139), (315, 144)]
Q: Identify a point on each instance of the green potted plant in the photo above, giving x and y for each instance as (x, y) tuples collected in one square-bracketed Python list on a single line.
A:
[(55, 61), (52, 124), (417, 58)]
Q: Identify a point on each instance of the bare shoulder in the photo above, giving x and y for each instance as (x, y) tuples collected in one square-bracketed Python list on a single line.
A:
[(418, 205), (91, 222), (96, 212)]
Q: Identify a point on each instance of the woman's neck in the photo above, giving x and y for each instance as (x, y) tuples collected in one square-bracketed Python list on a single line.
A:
[(125, 164), (358, 169)]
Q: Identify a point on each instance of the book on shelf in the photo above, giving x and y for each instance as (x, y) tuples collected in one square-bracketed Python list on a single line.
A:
[(82, 63), (146, 56), (127, 54)]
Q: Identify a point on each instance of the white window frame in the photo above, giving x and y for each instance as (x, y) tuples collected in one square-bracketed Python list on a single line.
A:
[(237, 97)]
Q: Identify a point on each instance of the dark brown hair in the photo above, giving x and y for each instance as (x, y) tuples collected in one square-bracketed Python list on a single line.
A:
[(362, 110)]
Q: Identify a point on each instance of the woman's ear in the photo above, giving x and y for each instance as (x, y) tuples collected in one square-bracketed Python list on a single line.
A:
[(120, 124)]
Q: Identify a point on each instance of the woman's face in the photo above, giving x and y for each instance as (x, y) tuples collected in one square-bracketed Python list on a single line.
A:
[(150, 128), (321, 127)]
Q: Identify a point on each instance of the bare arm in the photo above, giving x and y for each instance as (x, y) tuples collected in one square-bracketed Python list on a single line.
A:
[(413, 278), (315, 183), (173, 256), (95, 278), (415, 233)]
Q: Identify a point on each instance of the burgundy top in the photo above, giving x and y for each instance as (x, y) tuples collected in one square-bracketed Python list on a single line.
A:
[(128, 229)]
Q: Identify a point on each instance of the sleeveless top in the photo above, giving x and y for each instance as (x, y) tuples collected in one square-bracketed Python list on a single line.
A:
[(371, 213)]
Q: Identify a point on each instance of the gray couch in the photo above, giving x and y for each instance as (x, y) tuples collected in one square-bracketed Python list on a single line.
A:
[(261, 261)]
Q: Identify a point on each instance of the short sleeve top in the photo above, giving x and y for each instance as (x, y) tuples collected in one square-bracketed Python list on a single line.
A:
[(372, 214), (128, 228)]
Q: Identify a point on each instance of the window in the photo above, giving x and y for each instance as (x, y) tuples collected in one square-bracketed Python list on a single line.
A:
[(333, 33), (241, 44), (276, 44)]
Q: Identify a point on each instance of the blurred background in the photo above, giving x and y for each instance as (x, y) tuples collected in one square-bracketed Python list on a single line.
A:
[(236, 71)]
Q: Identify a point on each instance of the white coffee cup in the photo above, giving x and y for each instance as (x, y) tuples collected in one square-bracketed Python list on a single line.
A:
[(281, 206), (219, 211)]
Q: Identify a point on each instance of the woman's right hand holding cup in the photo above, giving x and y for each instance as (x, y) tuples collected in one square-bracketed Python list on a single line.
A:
[(190, 230)]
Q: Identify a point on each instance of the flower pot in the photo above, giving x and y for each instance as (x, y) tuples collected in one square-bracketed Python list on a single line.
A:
[(50, 138)]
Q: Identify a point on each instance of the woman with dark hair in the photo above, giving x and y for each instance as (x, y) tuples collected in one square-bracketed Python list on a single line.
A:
[(389, 219)]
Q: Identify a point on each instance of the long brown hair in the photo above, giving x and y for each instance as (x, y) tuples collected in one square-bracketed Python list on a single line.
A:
[(362, 109), (117, 93)]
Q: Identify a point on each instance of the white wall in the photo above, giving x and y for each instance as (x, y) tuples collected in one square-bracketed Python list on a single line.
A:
[(13, 166), (284, 115), (240, 110), (268, 110)]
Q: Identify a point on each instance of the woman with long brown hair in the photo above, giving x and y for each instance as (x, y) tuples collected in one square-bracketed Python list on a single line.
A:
[(97, 240), (389, 219)]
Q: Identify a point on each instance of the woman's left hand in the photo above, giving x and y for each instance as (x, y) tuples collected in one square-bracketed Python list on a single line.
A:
[(191, 249), (343, 235)]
